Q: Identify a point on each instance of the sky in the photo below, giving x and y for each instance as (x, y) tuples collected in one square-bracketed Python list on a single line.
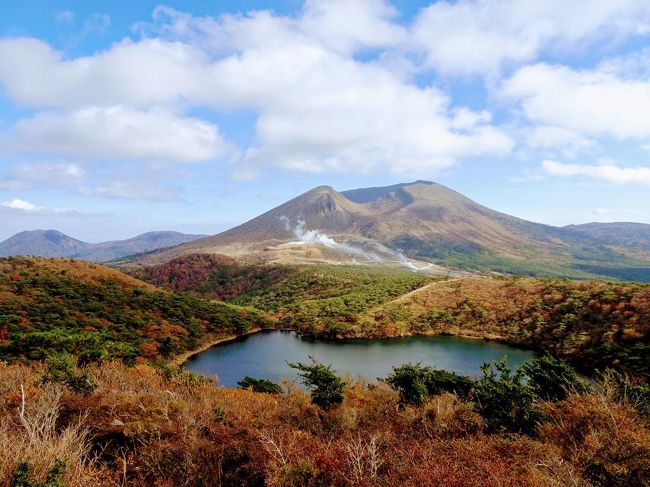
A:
[(120, 117)]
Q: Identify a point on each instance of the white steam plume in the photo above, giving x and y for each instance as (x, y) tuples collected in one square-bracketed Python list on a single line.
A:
[(315, 236)]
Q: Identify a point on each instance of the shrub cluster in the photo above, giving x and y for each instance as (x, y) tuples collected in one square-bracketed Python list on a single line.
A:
[(141, 427)]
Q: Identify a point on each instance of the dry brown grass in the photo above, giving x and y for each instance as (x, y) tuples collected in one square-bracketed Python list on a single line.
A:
[(608, 441), (142, 428), (34, 434)]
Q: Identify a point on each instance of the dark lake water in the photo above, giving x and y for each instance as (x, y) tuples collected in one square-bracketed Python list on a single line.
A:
[(265, 355)]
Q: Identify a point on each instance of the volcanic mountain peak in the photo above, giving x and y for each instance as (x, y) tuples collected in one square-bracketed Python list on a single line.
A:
[(421, 220)]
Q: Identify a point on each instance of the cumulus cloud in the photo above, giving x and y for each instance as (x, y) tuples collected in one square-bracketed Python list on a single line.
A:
[(318, 107), (349, 26), (120, 132), (132, 73), (470, 37), (26, 208), (605, 171), (589, 102)]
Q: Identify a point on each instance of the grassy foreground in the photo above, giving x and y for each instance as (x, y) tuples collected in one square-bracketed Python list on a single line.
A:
[(146, 426)]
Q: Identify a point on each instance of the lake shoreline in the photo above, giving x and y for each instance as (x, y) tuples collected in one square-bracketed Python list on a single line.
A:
[(266, 355), (180, 359)]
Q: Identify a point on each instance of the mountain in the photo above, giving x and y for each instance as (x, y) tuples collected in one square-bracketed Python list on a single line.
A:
[(625, 234), (44, 243), (420, 220), (51, 243)]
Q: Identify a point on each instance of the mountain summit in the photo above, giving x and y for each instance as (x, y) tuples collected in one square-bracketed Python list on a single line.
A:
[(421, 220), (52, 243)]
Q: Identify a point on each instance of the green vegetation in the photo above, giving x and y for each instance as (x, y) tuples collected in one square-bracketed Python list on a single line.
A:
[(70, 421), (62, 369), (260, 385), (586, 262), (326, 387), (315, 299), (505, 400), (592, 324), (53, 306), (328, 300), (22, 476), (415, 383), (552, 379)]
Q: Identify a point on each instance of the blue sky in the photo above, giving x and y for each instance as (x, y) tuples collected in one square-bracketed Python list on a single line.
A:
[(120, 117)]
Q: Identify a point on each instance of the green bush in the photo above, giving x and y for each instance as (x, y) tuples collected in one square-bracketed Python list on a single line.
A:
[(552, 379), (505, 400), (22, 476), (326, 387), (219, 414), (260, 385), (62, 369), (416, 382)]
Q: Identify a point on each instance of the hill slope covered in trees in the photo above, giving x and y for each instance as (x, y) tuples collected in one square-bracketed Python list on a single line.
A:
[(55, 305)]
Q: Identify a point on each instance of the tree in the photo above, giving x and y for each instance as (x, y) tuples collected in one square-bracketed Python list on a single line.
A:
[(416, 382), (326, 387), (505, 400), (260, 385), (62, 369), (552, 379)]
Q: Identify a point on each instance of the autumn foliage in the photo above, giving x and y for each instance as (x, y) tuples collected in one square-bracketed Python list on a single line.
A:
[(144, 426)]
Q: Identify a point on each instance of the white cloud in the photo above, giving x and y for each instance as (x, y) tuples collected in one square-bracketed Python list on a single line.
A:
[(52, 174), (479, 37), (318, 108), (120, 133), (605, 171), (588, 102), (141, 73), (557, 138), (347, 26), (26, 208), (133, 190)]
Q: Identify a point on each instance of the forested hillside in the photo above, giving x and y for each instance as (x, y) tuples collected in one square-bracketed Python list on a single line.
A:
[(592, 323), (595, 324), (54, 305), (317, 299)]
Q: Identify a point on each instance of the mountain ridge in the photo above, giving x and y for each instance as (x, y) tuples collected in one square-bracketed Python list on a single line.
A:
[(52, 243)]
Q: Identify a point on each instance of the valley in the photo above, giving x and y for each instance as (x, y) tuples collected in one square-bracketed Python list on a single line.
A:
[(380, 336)]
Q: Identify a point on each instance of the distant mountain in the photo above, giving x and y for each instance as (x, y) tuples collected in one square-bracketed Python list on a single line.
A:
[(636, 235), (51, 243), (422, 220)]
